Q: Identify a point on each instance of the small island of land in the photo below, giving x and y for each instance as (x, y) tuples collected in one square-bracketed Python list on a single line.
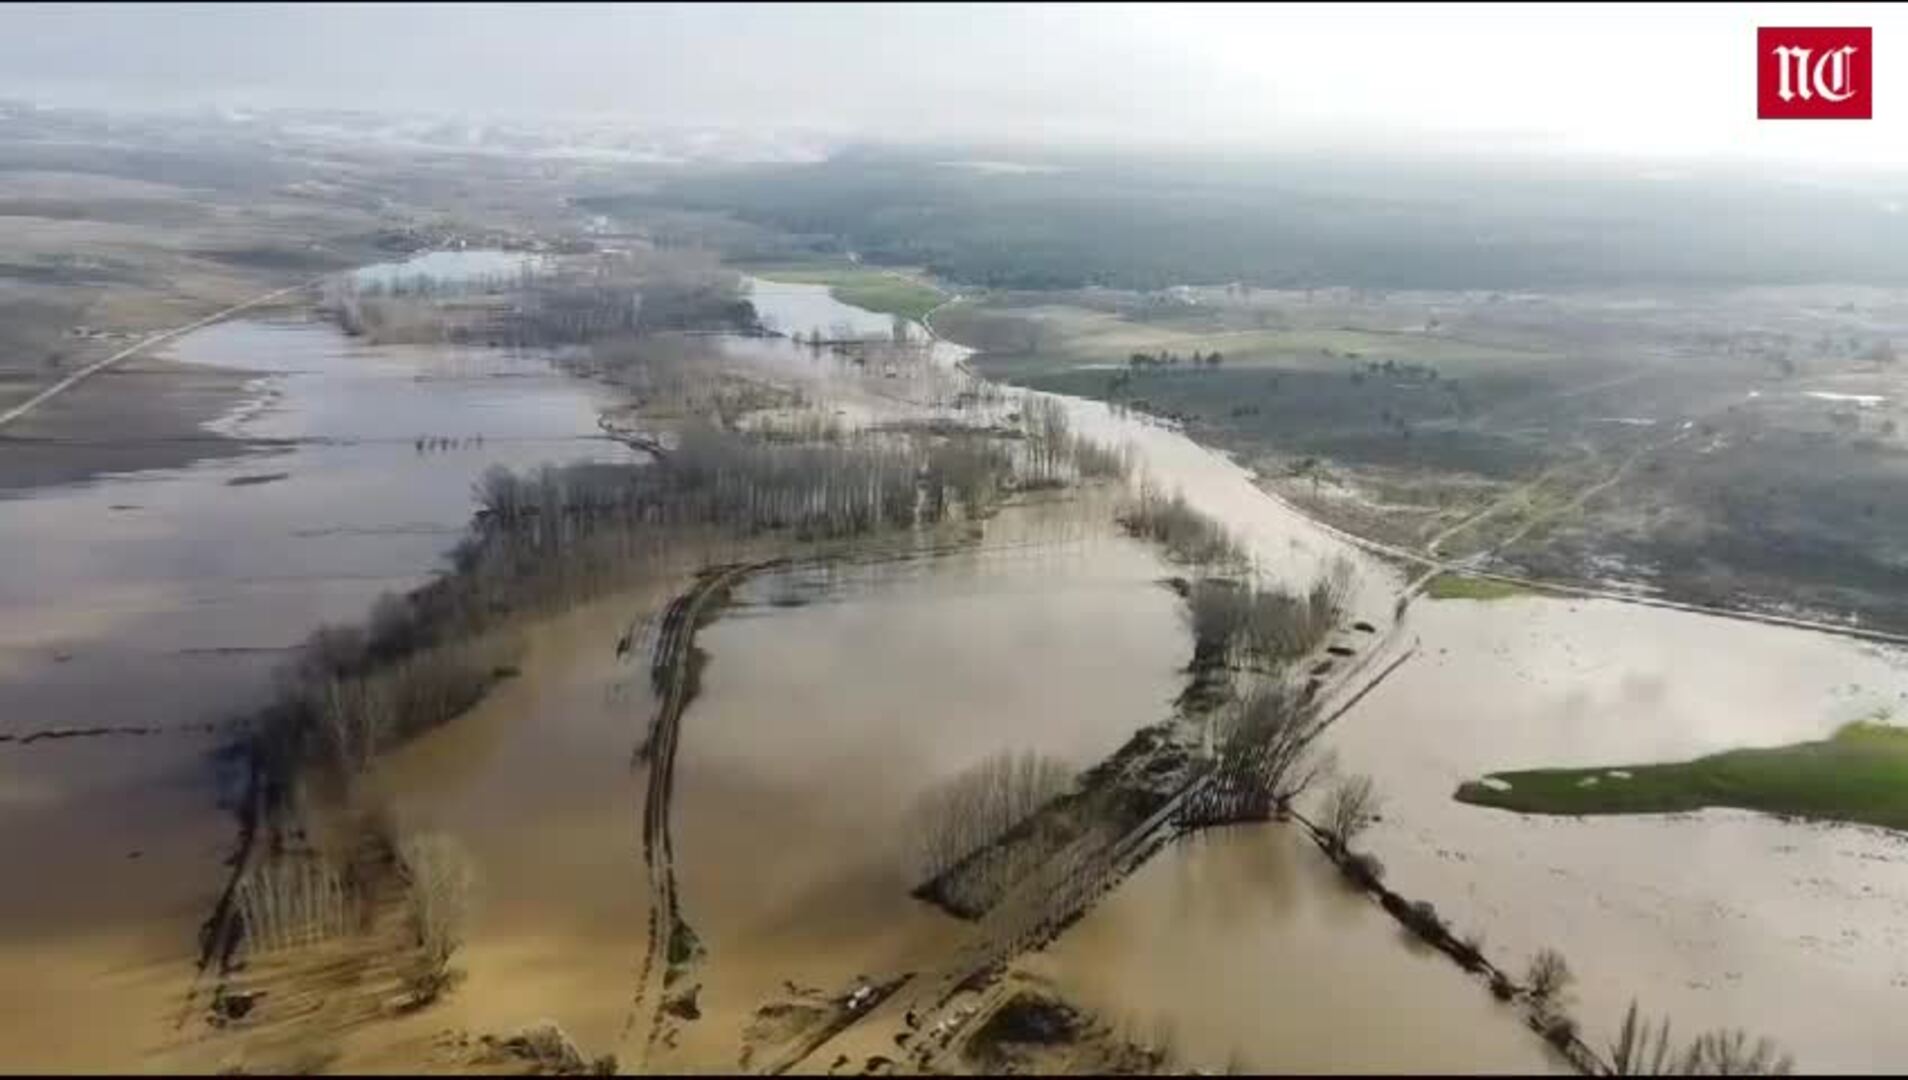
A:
[(1859, 775)]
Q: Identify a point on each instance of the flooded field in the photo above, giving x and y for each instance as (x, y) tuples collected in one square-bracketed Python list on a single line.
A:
[(821, 724), (1789, 930), (159, 602), (1242, 947), (538, 786), (155, 604)]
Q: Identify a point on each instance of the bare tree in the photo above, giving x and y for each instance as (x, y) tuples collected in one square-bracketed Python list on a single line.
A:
[(1350, 808), (1549, 977), (288, 900), (976, 806), (438, 884), (1728, 1052), (1643, 1048), (1265, 757), (1186, 533)]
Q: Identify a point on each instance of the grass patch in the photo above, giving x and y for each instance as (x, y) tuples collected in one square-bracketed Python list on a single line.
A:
[(873, 290), (1860, 774), (1449, 586)]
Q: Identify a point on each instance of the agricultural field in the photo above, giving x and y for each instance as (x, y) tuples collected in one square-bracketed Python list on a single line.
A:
[(1673, 443)]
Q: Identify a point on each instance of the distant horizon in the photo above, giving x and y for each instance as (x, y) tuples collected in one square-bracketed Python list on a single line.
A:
[(999, 147), (1568, 82)]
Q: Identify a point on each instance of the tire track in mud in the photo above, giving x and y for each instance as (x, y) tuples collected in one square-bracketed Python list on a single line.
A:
[(673, 675)]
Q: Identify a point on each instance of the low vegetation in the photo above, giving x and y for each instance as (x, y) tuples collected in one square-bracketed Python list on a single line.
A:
[(1237, 623), (1187, 534), (1860, 774)]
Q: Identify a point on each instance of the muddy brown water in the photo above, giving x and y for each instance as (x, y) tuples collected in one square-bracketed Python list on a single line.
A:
[(1790, 930), (162, 599), (1242, 947), (819, 726)]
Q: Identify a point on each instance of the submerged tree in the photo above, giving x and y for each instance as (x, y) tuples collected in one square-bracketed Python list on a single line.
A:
[(1643, 1048), (977, 805), (1350, 809), (438, 882), (1265, 757), (1548, 978)]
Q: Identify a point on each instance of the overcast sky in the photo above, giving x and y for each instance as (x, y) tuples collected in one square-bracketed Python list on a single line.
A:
[(1661, 80)]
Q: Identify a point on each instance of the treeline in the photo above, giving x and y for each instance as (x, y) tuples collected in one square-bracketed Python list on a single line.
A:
[(574, 302), (978, 805), (1236, 622), (1187, 535), (1296, 223), (543, 538), (1141, 361)]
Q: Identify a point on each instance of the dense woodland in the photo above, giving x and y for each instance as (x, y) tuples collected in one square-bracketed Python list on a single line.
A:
[(1152, 224)]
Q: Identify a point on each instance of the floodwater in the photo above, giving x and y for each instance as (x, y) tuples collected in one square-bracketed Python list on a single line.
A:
[(536, 785), (832, 703), (1790, 930), (162, 600), (1242, 946), (794, 308)]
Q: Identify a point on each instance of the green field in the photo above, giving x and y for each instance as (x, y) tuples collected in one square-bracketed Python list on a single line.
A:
[(1860, 774), (873, 290), (1450, 586)]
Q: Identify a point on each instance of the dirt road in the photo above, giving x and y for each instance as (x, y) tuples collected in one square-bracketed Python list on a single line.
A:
[(673, 674), (140, 346)]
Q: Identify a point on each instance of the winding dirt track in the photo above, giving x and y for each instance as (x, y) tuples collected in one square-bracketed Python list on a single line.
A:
[(672, 674)]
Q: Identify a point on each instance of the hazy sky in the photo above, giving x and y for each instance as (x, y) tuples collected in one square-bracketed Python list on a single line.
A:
[(1657, 80)]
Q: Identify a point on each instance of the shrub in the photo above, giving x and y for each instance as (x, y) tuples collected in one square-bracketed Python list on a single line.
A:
[(1350, 808), (1560, 1030), (1469, 951), (1549, 976), (1364, 869), (1422, 916)]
